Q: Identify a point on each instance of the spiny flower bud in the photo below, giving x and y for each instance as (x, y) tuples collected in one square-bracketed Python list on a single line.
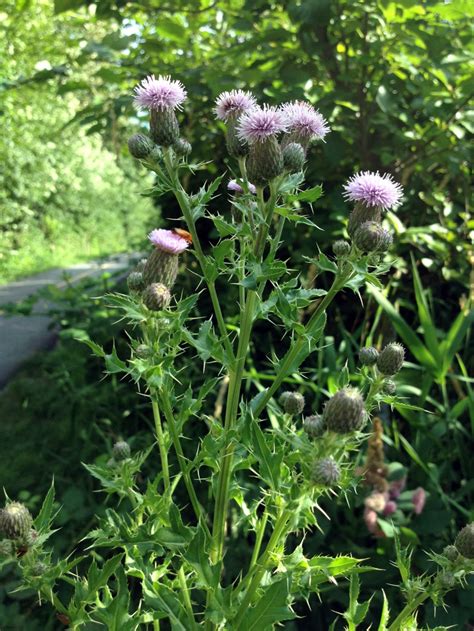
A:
[(143, 351), (360, 215), (140, 265), (368, 236), (391, 359), (7, 548), (135, 281), (293, 157), (465, 541), (121, 450), (265, 161), (140, 146), (451, 553), (385, 241), (368, 356), (389, 386), (182, 147), (341, 248), (448, 580), (15, 520), (164, 127), (314, 425), (325, 472), (39, 569), (236, 147), (345, 411), (293, 402), (29, 539), (156, 297)]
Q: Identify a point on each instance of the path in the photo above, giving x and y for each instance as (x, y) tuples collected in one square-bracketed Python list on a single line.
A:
[(23, 336)]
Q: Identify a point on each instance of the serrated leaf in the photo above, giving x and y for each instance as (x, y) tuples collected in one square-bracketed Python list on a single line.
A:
[(309, 195), (272, 607), (384, 616), (43, 520)]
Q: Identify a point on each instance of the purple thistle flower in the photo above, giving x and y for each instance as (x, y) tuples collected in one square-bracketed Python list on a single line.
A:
[(260, 124), (233, 103), (168, 241), (304, 120), (390, 508), (373, 189), (418, 500), (159, 94), (235, 187)]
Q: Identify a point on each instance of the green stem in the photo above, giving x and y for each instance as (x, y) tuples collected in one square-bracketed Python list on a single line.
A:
[(186, 597), (182, 198), (160, 437), (260, 567), (298, 346), (168, 412), (258, 539), (407, 611)]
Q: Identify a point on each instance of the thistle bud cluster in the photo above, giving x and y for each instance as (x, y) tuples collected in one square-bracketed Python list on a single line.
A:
[(292, 402), (16, 526)]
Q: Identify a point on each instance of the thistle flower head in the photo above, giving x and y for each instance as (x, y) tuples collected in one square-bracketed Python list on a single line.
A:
[(159, 94), (260, 124), (325, 472), (373, 189), (390, 360), (168, 241), (233, 104), (121, 450), (418, 500), (390, 508), (15, 520), (345, 411), (304, 120), (235, 187)]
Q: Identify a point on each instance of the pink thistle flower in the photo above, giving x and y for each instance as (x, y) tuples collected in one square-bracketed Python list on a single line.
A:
[(396, 487), (233, 103), (168, 241), (235, 187), (159, 94), (370, 519), (419, 500), (304, 120), (260, 124), (373, 189), (390, 508)]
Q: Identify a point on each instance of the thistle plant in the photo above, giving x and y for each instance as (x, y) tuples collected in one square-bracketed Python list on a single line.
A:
[(171, 532)]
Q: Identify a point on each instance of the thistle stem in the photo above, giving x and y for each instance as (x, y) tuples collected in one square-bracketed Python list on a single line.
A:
[(183, 201), (295, 350), (258, 570), (168, 412), (160, 437), (407, 611), (258, 539), (186, 597)]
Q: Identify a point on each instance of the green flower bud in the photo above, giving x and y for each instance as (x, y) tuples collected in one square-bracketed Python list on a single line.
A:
[(345, 411), (314, 425), (265, 162), (361, 214), (164, 127), (325, 472), (293, 402), (121, 450), (140, 146), (143, 351), (341, 248), (29, 539), (451, 553), (15, 520), (389, 386), (465, 541), (111, 462), (391, 359), (448, 580), (39, 569), (156, 297), (7, 548), (294, 157), (135, 281), (368, 237), (368, 356), (236, 147), (161, 267), (182, 147), (385, 241)]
